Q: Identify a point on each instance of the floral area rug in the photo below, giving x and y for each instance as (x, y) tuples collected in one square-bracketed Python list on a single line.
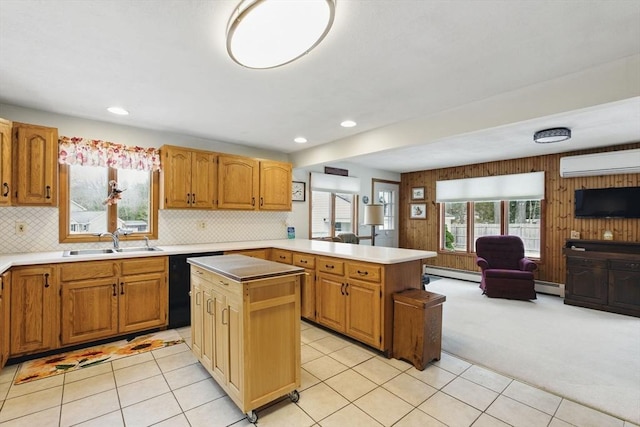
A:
[(78, 359)]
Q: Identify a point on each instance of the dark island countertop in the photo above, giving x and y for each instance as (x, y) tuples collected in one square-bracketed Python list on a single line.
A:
[(241, 268)]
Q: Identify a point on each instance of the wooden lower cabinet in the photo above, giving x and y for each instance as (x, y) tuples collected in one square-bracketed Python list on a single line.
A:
[(35, 309), (250, 335), (100, 301), (349, 306), (308, 285), (5, 289)]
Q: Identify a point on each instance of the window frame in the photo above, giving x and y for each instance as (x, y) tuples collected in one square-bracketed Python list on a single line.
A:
[(332, 228), (65, 236), (504, 226)]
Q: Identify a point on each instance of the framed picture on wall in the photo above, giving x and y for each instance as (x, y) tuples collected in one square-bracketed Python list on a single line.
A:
[(417, 193), (418, 211), (298, 191)]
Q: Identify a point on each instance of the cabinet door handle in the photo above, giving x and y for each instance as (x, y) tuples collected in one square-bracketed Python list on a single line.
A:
[(303, 261), (261, 201), (253, 201), (48, 193), (224, 283), (46, 280), (121, 288), (6, 189), (329, 266), (223, 322), (342, 289), (282, 257), (188, 198), (114, 289), (198, 298), (363, 273), (346, 289), (209, 306)]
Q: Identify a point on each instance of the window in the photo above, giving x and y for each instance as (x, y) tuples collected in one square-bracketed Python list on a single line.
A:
[(514, 217), (387, 198), (89, 206), (331, 214), (491, 205)]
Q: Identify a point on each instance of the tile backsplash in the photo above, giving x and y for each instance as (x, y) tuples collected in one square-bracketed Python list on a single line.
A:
[(175, 227)]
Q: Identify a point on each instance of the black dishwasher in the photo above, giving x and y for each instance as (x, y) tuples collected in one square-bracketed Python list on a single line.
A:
[(179, 286)]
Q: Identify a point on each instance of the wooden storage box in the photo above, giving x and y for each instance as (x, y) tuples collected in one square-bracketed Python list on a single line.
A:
[(417, 326)]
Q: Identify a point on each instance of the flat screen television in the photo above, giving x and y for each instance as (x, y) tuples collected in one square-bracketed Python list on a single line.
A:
[(618, 202)]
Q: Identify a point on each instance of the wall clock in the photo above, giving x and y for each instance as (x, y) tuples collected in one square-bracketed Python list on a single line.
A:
[(298, 191)]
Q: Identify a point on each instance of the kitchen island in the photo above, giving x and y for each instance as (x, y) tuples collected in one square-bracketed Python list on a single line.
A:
[(245, 327)]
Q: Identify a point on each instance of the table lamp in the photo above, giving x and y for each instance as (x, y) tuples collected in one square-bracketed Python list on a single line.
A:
[(373, 215)]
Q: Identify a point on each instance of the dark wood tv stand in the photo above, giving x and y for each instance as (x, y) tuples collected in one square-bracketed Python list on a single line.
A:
[(603, 276)]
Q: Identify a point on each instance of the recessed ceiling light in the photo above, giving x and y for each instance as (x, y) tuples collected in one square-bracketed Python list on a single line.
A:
[(118, 110), (300, 140), (348, 124)]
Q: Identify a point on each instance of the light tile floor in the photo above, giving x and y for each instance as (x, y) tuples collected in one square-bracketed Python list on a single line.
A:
[(343, 384)]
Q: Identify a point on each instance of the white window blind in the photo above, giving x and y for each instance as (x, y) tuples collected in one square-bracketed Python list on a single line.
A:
[(522, 186), (334, 183)]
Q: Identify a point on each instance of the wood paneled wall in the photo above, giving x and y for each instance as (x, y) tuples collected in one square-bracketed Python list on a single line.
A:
[(558, 218)]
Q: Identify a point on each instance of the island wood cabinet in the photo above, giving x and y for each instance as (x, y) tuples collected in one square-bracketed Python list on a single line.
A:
[(603, 275), (247, 334), (35, 309), (252, 184), (188, 178), (35, 166), (102, 299), (5, 288), (6, 179), (348, 304), (308, 286)]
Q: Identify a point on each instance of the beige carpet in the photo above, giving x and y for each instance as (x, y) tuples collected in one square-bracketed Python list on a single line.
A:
[(589, 356)]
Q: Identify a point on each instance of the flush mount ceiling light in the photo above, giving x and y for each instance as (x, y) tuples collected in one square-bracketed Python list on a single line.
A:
[(300, 140), (270, 33), (552, 135), (118, 110), (348, 124)]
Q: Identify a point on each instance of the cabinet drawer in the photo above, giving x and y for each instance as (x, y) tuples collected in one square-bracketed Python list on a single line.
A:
[(143, 265), (87, 270), (329, 265), (304, 260), (364, 272), (617, 264), (284, 257), (586, 262)]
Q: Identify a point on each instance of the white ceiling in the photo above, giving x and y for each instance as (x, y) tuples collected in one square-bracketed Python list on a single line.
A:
[(430, 83)]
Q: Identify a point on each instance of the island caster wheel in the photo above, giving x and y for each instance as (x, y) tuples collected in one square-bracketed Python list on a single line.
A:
[(252, 417), (294, 396)]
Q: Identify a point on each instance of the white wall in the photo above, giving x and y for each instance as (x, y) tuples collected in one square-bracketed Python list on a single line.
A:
[(175, 226)]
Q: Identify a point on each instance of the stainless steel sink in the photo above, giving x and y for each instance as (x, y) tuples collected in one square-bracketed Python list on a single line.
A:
[(139, 249), (87, 252), (81, 252)]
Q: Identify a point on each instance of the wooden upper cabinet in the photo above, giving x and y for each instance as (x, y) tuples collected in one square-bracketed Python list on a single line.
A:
[(35, 169), (6, 180), (275, 186), (250, 184), (238, 182), (188, 178)]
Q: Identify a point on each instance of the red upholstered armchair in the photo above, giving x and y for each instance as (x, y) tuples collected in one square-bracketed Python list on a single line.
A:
[(506, 273)]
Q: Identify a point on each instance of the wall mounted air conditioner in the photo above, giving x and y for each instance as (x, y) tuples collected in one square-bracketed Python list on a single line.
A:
[(609, 163)]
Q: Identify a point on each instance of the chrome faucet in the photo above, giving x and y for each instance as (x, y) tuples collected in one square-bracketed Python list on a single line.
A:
[(115, 236), (146, 241)]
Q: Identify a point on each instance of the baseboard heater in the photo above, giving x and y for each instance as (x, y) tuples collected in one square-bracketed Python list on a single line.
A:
[(542, 286)]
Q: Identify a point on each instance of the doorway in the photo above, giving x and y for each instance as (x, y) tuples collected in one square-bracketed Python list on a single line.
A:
[(387, 193)]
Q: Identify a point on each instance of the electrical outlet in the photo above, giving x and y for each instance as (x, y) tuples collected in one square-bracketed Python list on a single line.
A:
[(202, 224), (21, 227)]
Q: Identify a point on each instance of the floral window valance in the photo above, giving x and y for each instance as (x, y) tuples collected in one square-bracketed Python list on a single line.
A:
[(93, 152)]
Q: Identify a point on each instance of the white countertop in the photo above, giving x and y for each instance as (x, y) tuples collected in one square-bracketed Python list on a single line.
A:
[(376, 254)]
